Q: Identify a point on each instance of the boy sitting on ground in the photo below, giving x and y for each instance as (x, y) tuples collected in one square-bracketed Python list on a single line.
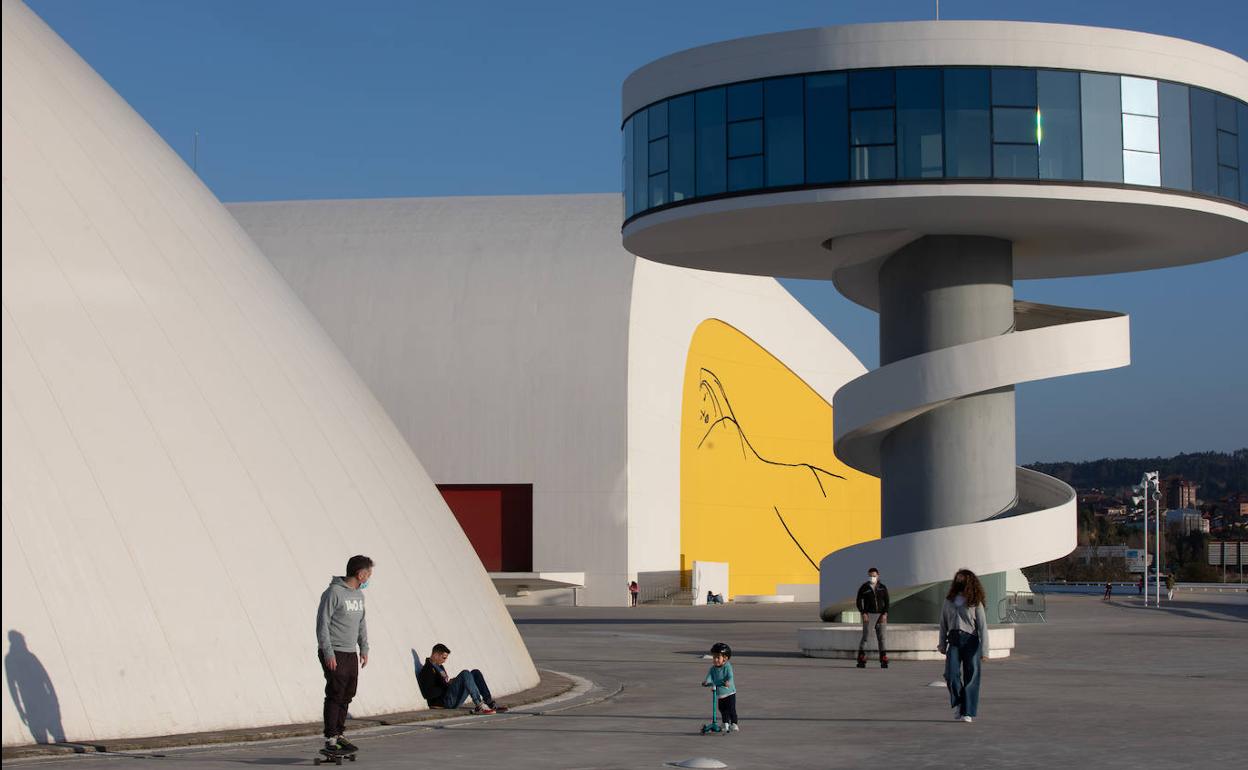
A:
[(440, 691)]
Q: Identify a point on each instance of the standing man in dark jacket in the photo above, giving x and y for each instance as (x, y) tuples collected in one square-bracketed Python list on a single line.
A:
[(873, 600), (340, 627)]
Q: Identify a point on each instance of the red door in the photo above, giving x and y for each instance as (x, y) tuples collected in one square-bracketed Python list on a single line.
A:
[(498, 520)]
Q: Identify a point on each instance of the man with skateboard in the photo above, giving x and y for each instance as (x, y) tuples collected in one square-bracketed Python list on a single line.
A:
[(873, 600), (340, 627), (440, 691)]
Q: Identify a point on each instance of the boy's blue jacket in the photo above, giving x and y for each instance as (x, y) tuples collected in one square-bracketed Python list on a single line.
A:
[(721, 677)]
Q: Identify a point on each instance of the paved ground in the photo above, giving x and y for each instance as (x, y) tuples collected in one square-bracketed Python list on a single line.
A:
[(1099, 685)]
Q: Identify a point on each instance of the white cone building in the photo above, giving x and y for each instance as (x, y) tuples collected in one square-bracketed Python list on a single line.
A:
[(187, 456)]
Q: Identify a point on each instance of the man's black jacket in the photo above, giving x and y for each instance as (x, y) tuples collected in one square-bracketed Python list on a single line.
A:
[(872, 600), (432, 683)]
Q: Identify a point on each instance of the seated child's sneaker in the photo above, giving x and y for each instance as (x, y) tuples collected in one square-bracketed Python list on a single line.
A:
[(481, 708)]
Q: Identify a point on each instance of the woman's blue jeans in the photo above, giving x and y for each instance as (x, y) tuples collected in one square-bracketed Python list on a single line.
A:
[(962, 672)]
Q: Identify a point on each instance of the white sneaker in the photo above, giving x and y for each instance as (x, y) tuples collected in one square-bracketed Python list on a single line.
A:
[(968, 719), (734, 727)]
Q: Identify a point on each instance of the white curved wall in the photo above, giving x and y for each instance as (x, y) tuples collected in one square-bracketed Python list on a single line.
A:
[(187, 458), (668, 305), (495, 332)]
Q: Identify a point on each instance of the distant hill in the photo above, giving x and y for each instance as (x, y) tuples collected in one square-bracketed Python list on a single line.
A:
[(1217, 473)]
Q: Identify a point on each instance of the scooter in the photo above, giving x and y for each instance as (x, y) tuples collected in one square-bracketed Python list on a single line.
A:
[(715, 726)]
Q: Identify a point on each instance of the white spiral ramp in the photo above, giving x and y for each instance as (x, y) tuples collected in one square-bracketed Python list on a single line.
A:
[(1046, 341)]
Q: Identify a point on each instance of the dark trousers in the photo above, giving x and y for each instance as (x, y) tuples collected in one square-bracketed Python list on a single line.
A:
[(962, 672), (880, 625), (339, 690), (728, 709), (468, 684)]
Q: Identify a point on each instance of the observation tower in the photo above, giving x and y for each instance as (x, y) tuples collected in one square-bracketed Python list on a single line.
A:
[(923, 167)]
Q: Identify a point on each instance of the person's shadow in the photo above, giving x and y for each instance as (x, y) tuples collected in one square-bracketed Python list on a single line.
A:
[(32, 692)]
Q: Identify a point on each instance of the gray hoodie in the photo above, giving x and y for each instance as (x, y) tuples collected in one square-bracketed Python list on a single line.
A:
[(340, 619)]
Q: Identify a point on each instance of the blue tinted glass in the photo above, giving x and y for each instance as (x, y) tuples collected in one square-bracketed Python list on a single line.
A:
[(871, 127), (641, 155), (745, 101), (1101, 96), (1015, 161), (968, 146), (827, 129), (658, 120), (871, 88), (874, 162), (1242, 111), (628, 168), (658, 156), (1228, 149), (1228, 182), (680, 148), (1014, 124), (1226, 114), (745, 138), (1175, 136), (783, 115), (1204, 142), (712, 149), (920, 153), (1013, 87), (658, 189), (1061, 155), (745, 173)]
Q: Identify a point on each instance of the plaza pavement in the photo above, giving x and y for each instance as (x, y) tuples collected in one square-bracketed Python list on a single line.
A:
[(1099, 685)]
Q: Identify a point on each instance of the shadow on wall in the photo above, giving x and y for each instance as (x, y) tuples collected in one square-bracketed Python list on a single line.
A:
[(32, 692)]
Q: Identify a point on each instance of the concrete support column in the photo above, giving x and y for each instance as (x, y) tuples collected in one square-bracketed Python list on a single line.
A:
[(955, 464)]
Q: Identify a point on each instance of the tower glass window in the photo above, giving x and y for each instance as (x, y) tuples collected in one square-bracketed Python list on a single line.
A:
[(782, 118), (968, 138), (827, 128), (1101, 100), (1058, 125), (916, 123), (919, 134)]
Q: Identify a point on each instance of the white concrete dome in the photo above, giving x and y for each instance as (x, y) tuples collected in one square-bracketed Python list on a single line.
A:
[(187, 456)]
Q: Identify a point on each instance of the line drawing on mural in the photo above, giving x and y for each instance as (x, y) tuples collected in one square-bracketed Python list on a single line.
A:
[(721, 412)]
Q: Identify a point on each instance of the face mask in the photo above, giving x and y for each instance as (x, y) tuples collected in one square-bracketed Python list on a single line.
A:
[(959, 600), (365, 584), (874, 579)]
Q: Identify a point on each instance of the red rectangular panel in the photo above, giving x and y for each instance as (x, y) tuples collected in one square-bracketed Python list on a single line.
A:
[(498, 520)]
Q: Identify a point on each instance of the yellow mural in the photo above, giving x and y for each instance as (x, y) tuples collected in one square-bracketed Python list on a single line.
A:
[(760, 487)]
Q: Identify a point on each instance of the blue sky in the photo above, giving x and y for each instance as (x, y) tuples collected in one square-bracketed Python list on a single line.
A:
[(320, 99)]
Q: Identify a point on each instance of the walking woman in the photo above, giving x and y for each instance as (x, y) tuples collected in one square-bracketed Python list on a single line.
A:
[(964, 642)]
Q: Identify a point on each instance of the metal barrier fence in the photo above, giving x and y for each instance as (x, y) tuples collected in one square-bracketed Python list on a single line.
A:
[(1022, 607), (1122, 587)]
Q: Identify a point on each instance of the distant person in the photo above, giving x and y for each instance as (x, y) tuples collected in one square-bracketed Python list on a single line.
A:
[(1109, 590), (714, 598), (964, 642), (720, 677), (1139, 586), (340, 627), (873, 601), (440, 691), (634, 591), (1169, 586), (32, 693)]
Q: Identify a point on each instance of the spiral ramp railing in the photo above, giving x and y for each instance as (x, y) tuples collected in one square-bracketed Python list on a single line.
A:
[(1045, 341)]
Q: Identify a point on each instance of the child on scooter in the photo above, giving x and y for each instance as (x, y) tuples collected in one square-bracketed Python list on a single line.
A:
[(720, 677)]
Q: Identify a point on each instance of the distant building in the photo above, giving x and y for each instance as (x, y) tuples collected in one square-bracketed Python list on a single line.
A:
[(1086, 553), (1180, 493), (1188, 520)]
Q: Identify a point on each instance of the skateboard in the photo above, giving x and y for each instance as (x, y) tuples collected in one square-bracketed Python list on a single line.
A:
[(334, 756)]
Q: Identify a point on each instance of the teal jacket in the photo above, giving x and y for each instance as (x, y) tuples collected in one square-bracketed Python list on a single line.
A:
[(721, 677)]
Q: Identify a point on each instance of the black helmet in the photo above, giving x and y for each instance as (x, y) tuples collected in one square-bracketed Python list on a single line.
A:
[(719, 648)]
